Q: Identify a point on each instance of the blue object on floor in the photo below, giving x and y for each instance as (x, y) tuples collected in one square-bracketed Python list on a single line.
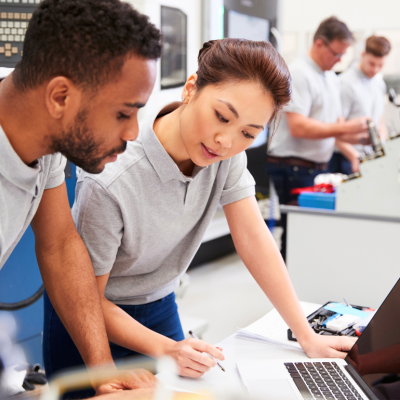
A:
[(317, 200)]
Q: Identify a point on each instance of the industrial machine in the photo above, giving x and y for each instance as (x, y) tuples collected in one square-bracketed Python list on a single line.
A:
[(253, 20), (376, 189)]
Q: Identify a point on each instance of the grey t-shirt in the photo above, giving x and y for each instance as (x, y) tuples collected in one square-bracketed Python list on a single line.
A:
[(316, 94), (21, 189), (143, 220), (362, 96)]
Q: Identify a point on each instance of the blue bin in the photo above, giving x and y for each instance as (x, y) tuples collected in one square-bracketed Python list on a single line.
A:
[(317, 200)]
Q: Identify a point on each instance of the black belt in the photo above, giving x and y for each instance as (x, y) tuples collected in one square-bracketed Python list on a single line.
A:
[(297, 162)]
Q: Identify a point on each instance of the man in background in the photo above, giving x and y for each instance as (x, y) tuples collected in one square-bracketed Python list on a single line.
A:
[(362, 91), (305, 139)]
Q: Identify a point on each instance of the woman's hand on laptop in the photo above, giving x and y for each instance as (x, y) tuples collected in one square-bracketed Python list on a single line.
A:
[(317, 346), (189, 354)]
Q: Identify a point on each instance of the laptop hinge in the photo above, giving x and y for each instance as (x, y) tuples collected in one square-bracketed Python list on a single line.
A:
[(360, 382)]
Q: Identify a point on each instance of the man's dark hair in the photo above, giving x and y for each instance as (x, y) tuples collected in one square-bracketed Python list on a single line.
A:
[(378, 46), (86, 41), (331, 29)]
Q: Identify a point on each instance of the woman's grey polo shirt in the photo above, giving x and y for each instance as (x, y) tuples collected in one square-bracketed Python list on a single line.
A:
[(143, 220)]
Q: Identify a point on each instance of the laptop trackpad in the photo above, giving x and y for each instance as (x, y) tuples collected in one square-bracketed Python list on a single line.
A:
[(274, 389)]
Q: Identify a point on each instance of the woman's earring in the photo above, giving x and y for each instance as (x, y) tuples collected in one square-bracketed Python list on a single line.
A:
[(183, 98)]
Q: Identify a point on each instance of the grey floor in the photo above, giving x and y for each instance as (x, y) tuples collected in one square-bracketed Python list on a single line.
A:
[(224, 293)]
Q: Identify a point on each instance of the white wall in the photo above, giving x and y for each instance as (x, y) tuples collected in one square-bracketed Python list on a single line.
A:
[(300, 19), (193, 10), (305, 15)]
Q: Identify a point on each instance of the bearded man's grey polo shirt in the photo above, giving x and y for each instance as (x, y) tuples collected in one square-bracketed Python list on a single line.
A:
[(362, 96), (21, 189), (142, 220), (316, 95)]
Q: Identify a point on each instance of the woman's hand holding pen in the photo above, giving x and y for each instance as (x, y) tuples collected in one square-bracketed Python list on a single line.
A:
[(189, 354)]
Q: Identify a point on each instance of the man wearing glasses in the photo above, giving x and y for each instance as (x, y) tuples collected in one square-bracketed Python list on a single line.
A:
[(305, 139)]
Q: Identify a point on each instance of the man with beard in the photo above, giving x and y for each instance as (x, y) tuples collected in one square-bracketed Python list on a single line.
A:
[(87, 68)]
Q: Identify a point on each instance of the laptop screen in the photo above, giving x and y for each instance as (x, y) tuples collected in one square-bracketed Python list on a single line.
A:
[(376, 354)]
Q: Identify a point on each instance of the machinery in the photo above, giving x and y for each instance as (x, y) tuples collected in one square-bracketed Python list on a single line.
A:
[(376, 189)]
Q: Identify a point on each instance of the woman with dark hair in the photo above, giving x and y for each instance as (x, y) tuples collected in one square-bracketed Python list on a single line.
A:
[(144, 217)]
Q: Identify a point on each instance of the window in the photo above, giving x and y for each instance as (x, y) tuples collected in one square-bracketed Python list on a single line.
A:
[(173, 60)]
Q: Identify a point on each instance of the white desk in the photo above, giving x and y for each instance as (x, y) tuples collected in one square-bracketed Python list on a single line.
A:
[(235, 349)]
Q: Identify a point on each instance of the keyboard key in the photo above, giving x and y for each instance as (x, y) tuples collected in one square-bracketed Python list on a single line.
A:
[(301, 386), (294, 375), (317, 364)]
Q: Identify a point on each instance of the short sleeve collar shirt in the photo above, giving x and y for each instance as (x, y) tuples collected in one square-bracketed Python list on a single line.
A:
[(21, 189), (362, 96), (316, 95), (142, 220)]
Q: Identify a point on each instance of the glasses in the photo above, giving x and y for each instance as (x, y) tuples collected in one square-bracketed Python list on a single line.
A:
[(333, 52)]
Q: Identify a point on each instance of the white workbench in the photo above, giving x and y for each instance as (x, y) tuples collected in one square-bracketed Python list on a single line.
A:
[(235, 349), (331, 255)]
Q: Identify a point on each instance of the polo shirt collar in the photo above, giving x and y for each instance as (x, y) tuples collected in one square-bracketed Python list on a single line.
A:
[(360, 73), (161, 161), (15, 170), (313, 64)]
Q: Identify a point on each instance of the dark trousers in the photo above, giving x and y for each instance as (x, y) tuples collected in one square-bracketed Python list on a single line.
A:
[(339, 164), (60, 352), (286, 178)]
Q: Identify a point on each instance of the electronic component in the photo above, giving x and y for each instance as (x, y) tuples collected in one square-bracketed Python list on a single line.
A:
[(325, 321), (341, 322)]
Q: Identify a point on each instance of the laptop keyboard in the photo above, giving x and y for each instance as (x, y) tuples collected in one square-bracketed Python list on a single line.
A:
[(321, 380)]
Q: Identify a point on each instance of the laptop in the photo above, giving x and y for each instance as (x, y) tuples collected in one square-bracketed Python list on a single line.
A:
[(371, 370)]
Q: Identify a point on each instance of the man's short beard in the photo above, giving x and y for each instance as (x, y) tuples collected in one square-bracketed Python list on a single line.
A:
[(80, 146)]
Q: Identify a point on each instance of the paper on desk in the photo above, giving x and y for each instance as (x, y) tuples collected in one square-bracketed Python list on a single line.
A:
[(272, 328), (214, 381)]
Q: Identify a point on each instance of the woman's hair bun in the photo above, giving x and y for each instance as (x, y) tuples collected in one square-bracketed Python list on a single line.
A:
[(206, 47)]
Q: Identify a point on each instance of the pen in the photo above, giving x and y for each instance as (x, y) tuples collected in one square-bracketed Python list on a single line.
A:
[(348, 305), (209, 355)]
